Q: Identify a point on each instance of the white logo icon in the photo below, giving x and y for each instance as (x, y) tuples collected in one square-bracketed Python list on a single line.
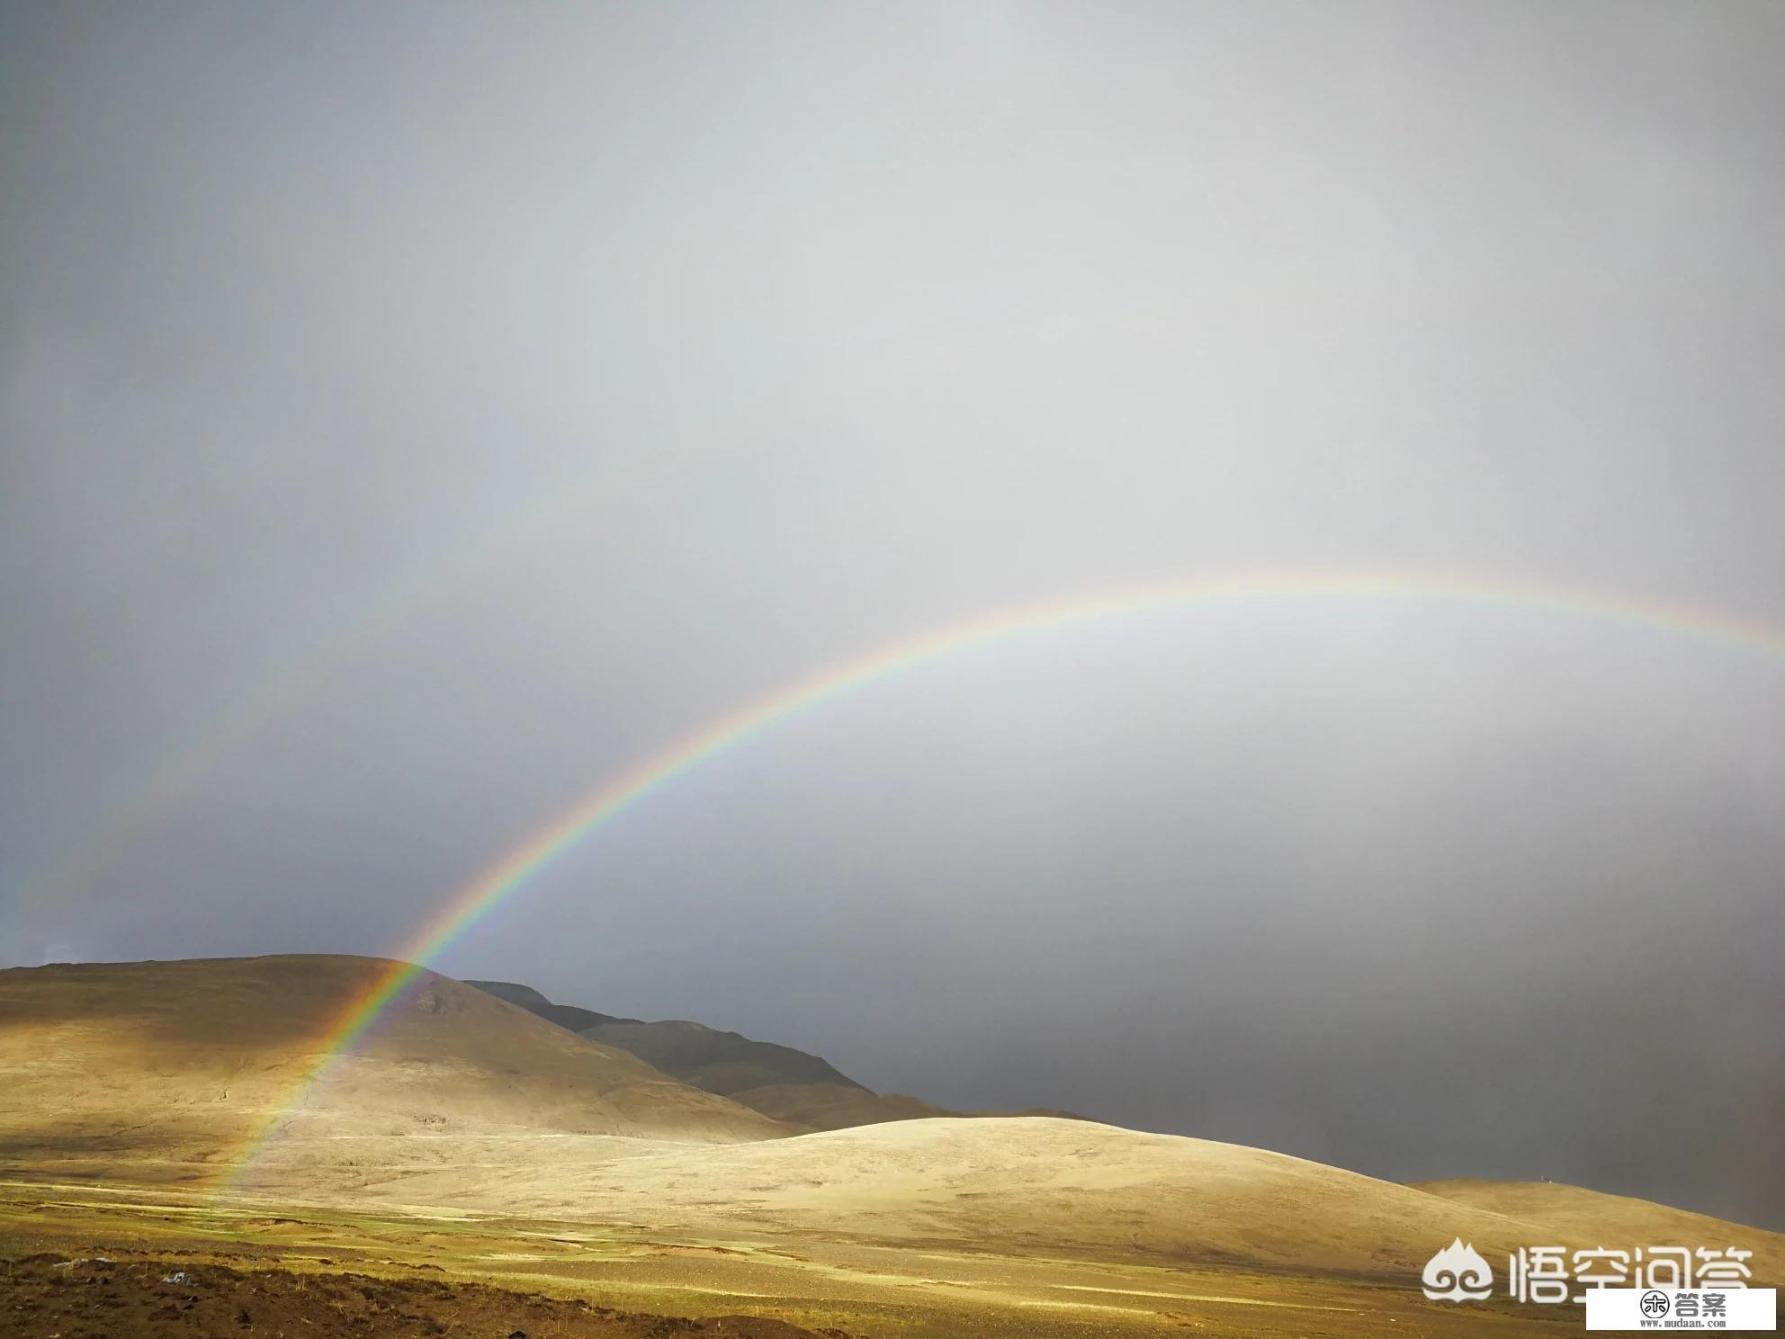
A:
[(1457, 1274)]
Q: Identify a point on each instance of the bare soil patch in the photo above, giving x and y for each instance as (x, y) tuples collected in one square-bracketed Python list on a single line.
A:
[(102, 1298)]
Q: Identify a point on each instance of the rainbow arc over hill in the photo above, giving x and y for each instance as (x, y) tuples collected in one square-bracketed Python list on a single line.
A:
[(501, 879)]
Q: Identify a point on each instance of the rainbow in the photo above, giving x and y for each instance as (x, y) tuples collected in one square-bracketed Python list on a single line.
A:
[(493, 885)]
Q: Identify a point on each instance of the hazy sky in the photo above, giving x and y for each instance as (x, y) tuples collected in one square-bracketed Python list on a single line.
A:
[(467, 401)]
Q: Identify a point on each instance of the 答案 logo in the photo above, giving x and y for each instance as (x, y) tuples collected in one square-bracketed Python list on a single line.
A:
[(1457, 1274)]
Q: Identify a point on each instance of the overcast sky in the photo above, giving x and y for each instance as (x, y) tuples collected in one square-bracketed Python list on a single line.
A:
[(416, 414)]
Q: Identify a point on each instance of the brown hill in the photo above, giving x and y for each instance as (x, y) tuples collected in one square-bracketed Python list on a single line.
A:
[(157, 1068), (829, 1106), (1043, 1188), (720, 1062), (1625, 1221), (564, 1015), (801, 1090), (460, 1104)]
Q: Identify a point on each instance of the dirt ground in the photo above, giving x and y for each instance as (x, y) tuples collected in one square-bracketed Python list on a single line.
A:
[(100, 1297), (80, 1262)]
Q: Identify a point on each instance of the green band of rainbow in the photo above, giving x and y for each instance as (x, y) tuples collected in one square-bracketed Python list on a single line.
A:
[(501, 879)]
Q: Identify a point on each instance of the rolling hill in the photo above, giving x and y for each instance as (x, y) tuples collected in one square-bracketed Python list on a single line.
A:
[(164, 1067), (564, 1015), (802, 1091), (464, 1128), (720, 1062), (1622, 1218), (1047, 1188)]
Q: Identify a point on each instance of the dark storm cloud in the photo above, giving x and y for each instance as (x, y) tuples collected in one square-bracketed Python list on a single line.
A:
[(797, 329)]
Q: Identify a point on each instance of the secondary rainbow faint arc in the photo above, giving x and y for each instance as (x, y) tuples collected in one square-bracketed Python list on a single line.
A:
[(150, 804), (502, 878)]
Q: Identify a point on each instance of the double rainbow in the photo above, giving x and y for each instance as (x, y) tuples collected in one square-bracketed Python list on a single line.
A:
[(504, 877)]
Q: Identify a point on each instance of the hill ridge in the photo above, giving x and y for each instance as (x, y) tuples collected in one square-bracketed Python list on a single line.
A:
[(188, 1060), (801, 1090)]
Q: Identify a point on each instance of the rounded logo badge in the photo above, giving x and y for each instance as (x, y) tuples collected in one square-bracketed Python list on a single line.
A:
[(1457, 1274)]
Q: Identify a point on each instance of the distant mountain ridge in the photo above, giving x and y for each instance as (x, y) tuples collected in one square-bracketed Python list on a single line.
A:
[(720, 1062), (564, 1015), (799, 1089)]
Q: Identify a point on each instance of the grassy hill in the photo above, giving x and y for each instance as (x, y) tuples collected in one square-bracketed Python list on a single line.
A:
[(165, 1067), (564, 1015), (802, 1091), (1047, 1188), (466, 1134), (809, 1107), (1621, 1218), (720, 1062)]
